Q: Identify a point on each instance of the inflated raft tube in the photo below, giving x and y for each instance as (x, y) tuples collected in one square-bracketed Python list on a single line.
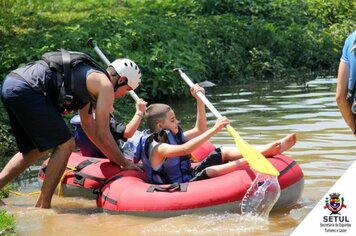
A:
[(128, 193), (83, 175)]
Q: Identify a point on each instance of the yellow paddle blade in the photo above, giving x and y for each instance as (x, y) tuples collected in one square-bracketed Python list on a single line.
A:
[(256, 160)]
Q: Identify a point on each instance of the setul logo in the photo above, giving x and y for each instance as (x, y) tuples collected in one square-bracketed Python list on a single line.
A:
[(334, 205), (335, 222)]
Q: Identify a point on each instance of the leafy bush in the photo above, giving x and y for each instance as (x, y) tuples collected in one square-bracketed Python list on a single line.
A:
[(5, 191), (215, 40), (223, 41), (7, 141)]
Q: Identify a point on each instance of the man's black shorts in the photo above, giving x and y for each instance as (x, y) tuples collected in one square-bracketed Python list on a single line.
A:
[(35, 121)]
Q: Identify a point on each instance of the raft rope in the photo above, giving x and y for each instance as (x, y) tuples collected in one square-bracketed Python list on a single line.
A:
[(71, 169), (24, 194), (79, 167)]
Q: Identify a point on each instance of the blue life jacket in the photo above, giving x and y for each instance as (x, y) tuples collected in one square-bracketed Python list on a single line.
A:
[(174, 169)]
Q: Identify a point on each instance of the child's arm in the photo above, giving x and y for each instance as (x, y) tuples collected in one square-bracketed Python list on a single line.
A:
[(200, 124), (133, 125), (163, 150)]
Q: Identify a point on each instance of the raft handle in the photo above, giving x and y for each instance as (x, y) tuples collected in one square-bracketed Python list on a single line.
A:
[(182, 187)]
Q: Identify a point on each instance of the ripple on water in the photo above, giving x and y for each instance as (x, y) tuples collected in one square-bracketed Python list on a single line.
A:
[(261, 114), (212, 224)]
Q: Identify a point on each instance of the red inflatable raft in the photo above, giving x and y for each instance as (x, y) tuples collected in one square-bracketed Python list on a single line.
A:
[(83, 175), (128, 193)]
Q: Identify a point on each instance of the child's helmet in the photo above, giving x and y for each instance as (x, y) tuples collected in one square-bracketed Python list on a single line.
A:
[(129, 69)]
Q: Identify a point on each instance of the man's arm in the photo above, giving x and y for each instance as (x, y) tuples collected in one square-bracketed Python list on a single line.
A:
[(341, 95), (98, 130)]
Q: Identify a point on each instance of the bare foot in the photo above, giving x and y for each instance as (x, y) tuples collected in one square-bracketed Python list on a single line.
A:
[(279, 146)]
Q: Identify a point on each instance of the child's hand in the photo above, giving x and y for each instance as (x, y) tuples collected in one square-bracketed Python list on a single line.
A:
[(195, 89), (141, 106), (221, 123)]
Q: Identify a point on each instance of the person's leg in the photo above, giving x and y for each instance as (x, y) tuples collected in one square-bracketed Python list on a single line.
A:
[(280, 146), (218, 170), (17, 164), (54, 171), (271, 149), (38, 126)]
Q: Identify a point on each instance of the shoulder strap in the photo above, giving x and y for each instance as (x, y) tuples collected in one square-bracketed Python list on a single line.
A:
[(66, 66), (65, 97), (353, 49)]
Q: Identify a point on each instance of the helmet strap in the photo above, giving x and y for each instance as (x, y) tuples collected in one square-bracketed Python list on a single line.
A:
[(118, 85)]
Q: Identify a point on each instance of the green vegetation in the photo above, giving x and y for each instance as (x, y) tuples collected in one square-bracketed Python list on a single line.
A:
[(4, 192), (7, 141), (226, 41), (7, 224)]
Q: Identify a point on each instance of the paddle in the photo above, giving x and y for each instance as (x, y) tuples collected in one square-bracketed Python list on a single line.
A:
[(256, 160), (91, 44)]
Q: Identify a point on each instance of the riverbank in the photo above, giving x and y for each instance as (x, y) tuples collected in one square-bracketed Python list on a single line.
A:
[(7, 224), (7, 221)]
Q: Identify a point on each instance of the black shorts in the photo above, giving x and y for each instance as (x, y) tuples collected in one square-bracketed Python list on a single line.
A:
[(213, 159), (35, 121)]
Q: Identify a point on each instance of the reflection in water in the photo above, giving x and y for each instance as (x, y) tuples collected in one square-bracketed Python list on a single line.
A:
[(261, 113)]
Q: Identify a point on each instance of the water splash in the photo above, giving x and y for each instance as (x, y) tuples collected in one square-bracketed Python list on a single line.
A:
[(261, 196)]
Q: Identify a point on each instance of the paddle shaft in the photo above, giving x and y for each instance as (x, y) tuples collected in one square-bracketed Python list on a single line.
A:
[(107, 62), (256, 160), (200, 94)]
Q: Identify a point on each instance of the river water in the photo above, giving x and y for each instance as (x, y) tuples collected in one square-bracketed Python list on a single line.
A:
[(261, 114)]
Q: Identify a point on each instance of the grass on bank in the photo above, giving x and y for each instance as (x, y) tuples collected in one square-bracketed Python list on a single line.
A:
[(7, 224), (7, 221)]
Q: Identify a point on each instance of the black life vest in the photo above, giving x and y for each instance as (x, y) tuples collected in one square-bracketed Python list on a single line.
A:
[(61, 63)]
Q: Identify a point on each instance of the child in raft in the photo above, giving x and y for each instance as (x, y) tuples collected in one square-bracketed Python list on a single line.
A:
[(165, 150)]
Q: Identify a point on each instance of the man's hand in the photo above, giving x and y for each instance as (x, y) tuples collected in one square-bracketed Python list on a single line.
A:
[(133, 166)]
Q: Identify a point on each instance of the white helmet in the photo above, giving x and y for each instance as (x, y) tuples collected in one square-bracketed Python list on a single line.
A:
[(129, 69)]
